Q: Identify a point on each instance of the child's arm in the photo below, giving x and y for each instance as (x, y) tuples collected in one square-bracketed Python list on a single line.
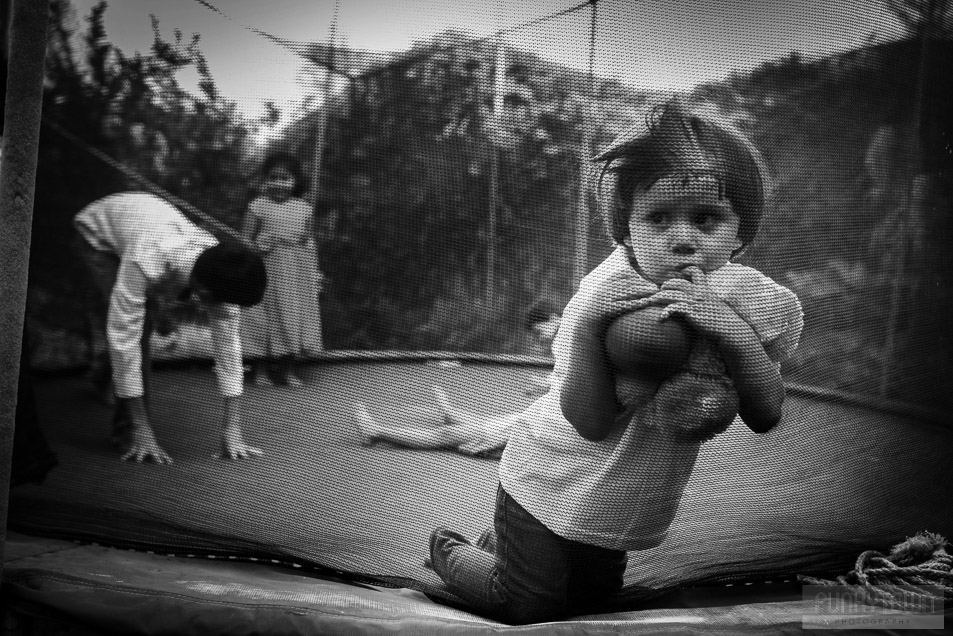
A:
[(227, 350), (250, 224), (125, 326), (308, 241), (756, 377), (307, 238), (588, 396), (588, 399)]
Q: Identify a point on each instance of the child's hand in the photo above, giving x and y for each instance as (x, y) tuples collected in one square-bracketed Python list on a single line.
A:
[(622, 292), (234, 447), (144, 447), (695, 301)]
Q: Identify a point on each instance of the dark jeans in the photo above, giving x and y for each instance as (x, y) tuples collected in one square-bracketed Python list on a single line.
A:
[(535, 575), (32, 456)]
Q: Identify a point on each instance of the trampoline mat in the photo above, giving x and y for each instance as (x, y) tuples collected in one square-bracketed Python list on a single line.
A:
[(830, 481)]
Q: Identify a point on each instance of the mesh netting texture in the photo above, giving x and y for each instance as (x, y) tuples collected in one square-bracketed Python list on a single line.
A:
[(450, 198)]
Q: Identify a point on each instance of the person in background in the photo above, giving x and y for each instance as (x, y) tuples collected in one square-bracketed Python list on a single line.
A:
[(458, 429), (286, 326), (140, 253)]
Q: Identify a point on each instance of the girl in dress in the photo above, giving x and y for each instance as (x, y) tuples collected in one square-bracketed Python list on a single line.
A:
[(286, 326)]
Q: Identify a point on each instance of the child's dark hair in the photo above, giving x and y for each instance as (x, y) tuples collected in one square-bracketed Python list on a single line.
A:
[(681, 140), (293, 164), (232, 273)]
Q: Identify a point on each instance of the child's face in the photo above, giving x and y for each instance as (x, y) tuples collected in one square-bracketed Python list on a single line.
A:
[(279, 183), (680, 222)]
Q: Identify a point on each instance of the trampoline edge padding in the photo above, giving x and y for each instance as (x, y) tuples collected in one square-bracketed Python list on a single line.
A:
[(134, 592), (131, 592)]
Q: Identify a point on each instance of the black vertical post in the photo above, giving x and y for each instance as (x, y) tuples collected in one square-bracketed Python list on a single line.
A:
[(22, 107)]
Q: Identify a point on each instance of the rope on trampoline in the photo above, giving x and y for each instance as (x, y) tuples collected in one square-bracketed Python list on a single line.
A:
[(917, 573)]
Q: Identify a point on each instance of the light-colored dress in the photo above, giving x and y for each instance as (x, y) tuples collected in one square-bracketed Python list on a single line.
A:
[(288, 320)]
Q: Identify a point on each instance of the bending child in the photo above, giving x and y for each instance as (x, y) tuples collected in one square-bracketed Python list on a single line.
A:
[(141, 253), (599, 466)]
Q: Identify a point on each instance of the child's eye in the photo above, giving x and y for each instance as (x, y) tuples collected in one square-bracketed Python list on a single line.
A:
[(705, 219), (657, 218)]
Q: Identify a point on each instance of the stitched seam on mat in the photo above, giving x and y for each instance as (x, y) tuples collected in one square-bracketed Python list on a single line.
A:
[(39, 554), (360, 579)]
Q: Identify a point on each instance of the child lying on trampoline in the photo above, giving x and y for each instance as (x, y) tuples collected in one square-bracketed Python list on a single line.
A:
[(454, 429), (457, 429), (663, 344)]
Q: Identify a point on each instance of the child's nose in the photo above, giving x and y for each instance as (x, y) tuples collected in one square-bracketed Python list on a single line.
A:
[(683, 249), (683, 240)]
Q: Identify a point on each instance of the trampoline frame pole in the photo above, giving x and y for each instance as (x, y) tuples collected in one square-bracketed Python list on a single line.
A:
[(23, 103)]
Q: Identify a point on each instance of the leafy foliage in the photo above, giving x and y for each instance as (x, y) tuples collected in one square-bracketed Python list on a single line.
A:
[(448, 190), (931, 17), (428, 149)]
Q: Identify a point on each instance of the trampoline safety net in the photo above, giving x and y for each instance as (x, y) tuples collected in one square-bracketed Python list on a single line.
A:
[(424, 216)]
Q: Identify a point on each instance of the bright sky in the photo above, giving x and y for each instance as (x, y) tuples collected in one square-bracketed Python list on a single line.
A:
[(673, 44)]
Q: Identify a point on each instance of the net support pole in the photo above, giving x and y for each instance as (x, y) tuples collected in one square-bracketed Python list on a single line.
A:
[(18, 155), (499, 81), (580, 264), (914, 198), (317, 161), (321, 136)]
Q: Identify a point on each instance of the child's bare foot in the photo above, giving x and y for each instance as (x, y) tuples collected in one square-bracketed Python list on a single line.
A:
[(293, 381), (262, 378), (452, 416), (443, 403), (366, 426)]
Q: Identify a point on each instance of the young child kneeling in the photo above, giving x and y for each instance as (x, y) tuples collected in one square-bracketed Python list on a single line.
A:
[(600, 465)]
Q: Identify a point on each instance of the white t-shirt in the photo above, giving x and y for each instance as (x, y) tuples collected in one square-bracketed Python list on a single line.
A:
[(622, 492), (153, 239)]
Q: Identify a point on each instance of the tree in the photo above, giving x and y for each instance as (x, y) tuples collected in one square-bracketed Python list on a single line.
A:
[(933, 18), (414, 148)]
